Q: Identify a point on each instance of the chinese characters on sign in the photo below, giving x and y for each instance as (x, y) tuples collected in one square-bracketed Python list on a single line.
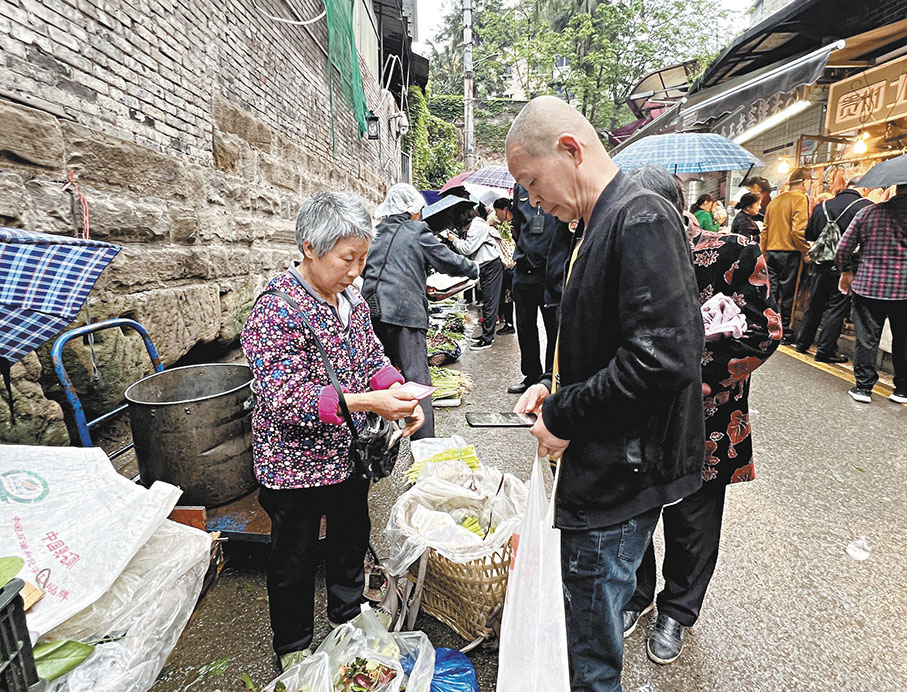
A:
[(871, 97)]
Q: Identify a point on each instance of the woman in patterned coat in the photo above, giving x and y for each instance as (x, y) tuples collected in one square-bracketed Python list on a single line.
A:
[(732, 265), (300, 442)]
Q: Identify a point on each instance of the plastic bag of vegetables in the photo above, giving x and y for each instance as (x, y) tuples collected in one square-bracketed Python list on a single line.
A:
[(431, 514)]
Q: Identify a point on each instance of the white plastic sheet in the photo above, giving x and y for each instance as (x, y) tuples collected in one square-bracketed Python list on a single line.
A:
[(144, 613), (75, 521), (533, 653), (428, 515)]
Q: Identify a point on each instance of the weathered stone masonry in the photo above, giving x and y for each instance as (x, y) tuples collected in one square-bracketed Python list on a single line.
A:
[(194, 127)]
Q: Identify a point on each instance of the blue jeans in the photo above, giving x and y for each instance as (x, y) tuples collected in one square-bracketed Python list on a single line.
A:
[(599, 570)]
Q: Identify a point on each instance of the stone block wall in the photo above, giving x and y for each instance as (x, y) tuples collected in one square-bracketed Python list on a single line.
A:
[(194, 128)]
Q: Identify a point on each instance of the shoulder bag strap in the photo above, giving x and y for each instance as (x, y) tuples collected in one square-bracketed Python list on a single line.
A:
[(846, 209), (387, 254), (324, 356)]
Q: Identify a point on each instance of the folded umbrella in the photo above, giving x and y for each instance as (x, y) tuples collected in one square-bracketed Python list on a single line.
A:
[(890, 172), (686, 152), (44, 281)]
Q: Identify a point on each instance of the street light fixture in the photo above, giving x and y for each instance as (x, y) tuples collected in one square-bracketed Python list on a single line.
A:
[(372, 126)]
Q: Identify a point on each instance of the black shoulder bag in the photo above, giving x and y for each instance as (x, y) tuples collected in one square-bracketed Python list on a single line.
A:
[(374, 450)]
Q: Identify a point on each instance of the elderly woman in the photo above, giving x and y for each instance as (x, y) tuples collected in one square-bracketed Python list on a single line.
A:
[(732, 265), (394, 285), (300, 441)]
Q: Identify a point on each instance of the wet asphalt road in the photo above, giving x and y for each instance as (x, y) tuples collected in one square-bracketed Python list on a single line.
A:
[(788, 608)]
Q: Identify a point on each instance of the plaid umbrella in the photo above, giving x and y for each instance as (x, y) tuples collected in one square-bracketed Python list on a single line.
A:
[(492, 176), (44, 280), (686, 152)]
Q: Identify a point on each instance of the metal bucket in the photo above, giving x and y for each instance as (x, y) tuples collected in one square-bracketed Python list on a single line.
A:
[(192, 427)]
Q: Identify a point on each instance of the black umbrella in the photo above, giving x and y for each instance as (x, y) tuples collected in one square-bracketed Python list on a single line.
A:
[(890, 172), (445, 212)]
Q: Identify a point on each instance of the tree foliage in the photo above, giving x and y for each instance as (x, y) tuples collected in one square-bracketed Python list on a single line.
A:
[(591, 52), (433, 141)]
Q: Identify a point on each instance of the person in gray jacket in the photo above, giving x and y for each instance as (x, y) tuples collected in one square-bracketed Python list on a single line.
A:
[(394, 285)]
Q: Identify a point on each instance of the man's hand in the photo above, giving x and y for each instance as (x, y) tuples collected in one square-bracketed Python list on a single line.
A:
[(531, 401), (844, 283), (806, 258), (549, 445)]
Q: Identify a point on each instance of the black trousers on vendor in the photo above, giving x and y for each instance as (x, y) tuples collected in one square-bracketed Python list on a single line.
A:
[(295, 524), (408, 350), (491, 275)]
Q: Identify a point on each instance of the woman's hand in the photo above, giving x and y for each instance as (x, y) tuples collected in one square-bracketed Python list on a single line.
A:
[(390, 404), (415, 421)]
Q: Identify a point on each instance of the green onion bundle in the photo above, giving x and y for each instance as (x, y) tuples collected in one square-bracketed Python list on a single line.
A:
[(465, 454)]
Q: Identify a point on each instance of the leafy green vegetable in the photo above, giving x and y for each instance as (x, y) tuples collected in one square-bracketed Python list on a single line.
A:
[(9, 568), (54, 659), (217, 667), (247, 681)]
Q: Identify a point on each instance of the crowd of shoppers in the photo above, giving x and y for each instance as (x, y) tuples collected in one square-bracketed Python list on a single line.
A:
[(655, 321)]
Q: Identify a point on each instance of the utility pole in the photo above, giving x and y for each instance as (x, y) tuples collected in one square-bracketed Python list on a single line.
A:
[(468, 87)]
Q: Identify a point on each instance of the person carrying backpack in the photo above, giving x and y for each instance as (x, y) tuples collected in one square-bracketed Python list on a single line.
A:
[(826, 225)]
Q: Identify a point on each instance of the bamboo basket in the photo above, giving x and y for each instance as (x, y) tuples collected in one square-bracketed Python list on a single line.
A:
[(468, 597)]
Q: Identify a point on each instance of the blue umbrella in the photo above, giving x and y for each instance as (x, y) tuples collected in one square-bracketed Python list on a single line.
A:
[(44, 281), (686, 152)]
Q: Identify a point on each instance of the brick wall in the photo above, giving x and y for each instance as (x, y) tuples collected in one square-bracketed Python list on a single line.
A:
[(194, 128)]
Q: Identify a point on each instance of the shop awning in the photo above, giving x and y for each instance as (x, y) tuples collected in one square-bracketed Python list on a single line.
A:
[(799, 27), (780, 78)]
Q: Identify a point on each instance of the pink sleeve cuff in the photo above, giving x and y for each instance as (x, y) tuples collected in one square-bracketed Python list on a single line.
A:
[(328, 403), (384, 378)]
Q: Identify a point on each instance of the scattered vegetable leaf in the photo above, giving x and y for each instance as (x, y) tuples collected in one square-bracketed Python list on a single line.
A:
[(54, 659), (860, 469), (247, 681), (9, 568), (217, 667)]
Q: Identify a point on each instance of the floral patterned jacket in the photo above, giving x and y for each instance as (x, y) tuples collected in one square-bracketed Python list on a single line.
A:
[(733, 265), (298, 440)]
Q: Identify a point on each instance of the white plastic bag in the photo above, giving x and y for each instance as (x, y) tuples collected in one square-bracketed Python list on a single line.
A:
[(313, 675), (75, 521), (421, 517), (417, 657), (144, 613), (533, 653)]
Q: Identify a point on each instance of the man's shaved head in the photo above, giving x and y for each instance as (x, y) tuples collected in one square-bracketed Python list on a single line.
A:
[(555, 153), (540, 123)]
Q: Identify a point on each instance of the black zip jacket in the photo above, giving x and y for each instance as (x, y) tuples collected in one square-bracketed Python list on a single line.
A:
[(539, 257), (630, 385)]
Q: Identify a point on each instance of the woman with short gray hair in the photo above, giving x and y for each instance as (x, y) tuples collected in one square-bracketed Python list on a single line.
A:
[(300, 443)]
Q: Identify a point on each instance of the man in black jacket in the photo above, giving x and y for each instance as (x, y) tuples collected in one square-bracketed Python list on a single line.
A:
[(542, 249), (393, 284), (825, 297), (625, 413)]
